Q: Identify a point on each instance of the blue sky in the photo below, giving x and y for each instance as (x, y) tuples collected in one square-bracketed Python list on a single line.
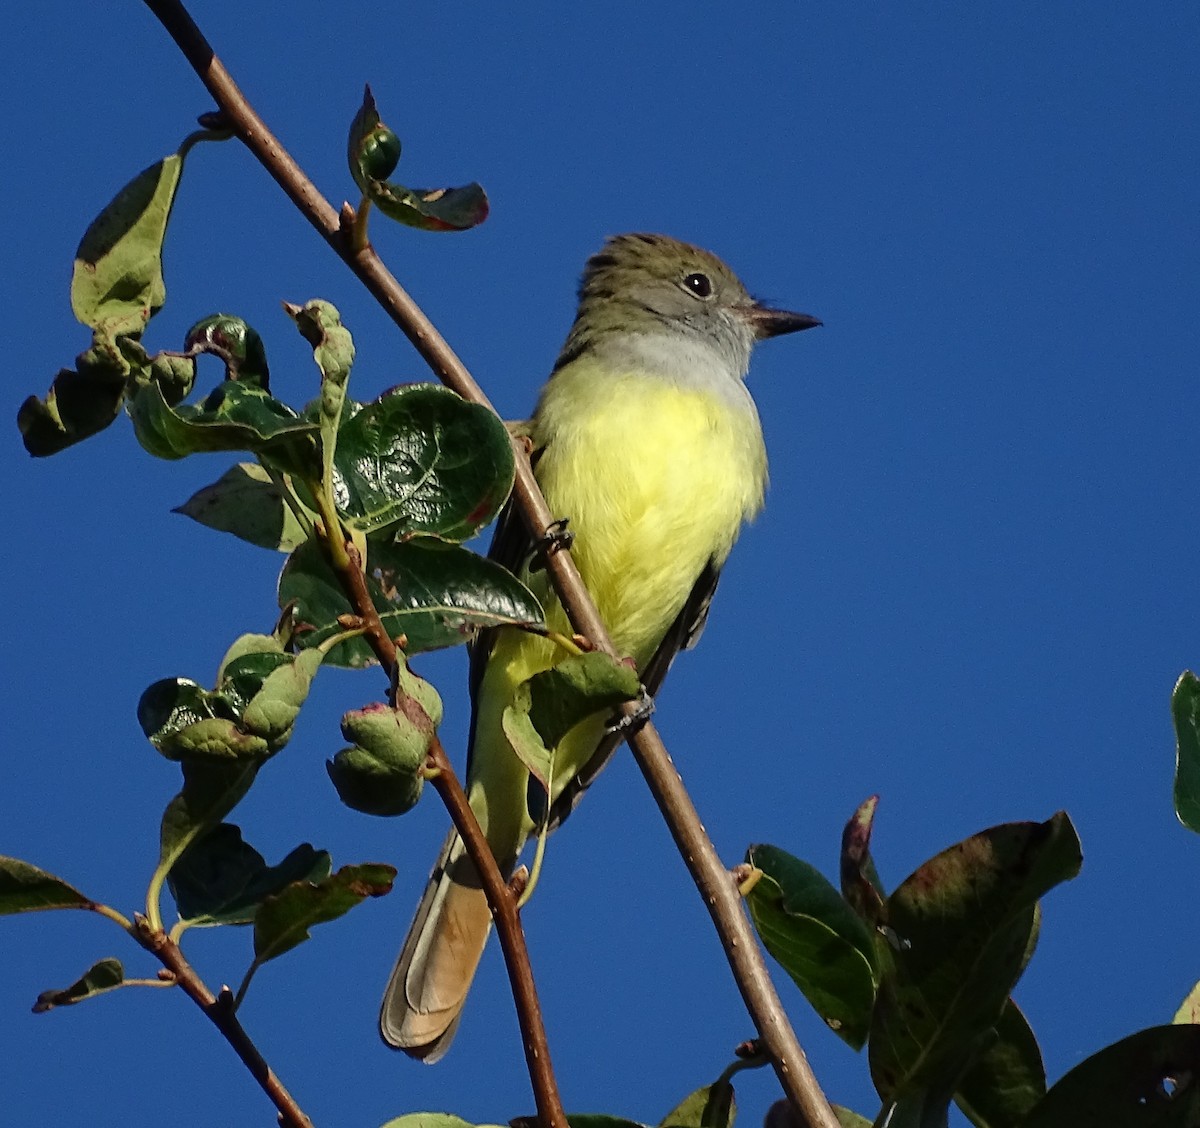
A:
[(971, 591)]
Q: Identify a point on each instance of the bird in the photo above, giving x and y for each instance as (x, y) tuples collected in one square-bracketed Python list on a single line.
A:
[(647, 441)]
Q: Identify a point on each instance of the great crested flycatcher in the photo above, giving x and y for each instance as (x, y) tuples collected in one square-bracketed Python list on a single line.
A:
[(647, 441)]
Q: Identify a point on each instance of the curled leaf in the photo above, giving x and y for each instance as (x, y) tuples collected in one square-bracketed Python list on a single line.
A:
[(373, 152), (100, 977)]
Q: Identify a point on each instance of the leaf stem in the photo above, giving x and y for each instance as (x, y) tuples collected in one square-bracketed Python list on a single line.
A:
[(113, 915), (358, 233)]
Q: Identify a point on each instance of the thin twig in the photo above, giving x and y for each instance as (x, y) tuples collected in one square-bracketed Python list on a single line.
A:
[(699, 854), (507, 915), (220, 1011)]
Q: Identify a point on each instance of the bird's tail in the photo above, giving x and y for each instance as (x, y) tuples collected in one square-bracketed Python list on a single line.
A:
[(428, 987)]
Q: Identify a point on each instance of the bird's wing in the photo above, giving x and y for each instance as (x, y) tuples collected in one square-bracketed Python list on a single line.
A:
[(511, 546), (683, 634)]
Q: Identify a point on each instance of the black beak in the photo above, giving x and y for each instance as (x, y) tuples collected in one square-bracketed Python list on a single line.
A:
[(767, 322)]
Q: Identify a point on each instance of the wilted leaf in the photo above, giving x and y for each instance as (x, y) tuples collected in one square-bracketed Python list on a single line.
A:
[(816, 938), (220, 879), (283, 920), (1148, 1080), (421, 460), (434, 594), (861, 886), (118, 284), (962, 925), (26, 889), (100, 977), (1185, 708), (551, 703)]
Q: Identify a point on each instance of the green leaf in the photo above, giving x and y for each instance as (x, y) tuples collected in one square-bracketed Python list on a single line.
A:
[(180, 719), (1148, 1080), (428, 1120), (210, 791), (711, 1107), (105, 975), (118, 283), (373, 152), (1000, 1088), (283, 921), (1185, 708), (236, 416), (781, 1115), (550, 704), (962, 926), (221, 879), (420, 459), (382, 774), (249, 503), (434, 594), (861, 885), (1189, 1009), (816, 938), (26, 889)]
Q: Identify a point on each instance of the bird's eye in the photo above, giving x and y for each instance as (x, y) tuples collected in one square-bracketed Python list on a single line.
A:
[(698, 284)]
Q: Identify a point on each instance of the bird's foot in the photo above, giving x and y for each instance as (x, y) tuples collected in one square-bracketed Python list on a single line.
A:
[(556, 537), (642, 711)]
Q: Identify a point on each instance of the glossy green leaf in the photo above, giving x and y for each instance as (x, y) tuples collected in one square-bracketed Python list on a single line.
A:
[(420, 459), (220, 879), (1000, 1088), (100, 977), (861, 885), (181, 720), (235, 416), (26, 889), (548, 705), (1185, 709), (239, 346), (373, 152), (118, 283), (961, 928), (432, 593), (711, 1107), (283, 921), (817, 939), (1148, 1080), (247, 502)]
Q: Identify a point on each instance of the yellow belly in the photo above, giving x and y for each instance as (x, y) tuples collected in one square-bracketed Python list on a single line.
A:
[(655, 481)]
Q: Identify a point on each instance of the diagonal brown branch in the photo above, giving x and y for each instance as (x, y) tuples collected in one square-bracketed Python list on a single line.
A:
[(699, 854), (220, 1011)]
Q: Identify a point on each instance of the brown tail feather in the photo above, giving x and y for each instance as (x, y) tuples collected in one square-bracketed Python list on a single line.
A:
[(428, 986)]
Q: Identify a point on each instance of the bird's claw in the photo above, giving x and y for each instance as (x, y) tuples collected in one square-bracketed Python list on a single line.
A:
[(625, 722), (556, 537)]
